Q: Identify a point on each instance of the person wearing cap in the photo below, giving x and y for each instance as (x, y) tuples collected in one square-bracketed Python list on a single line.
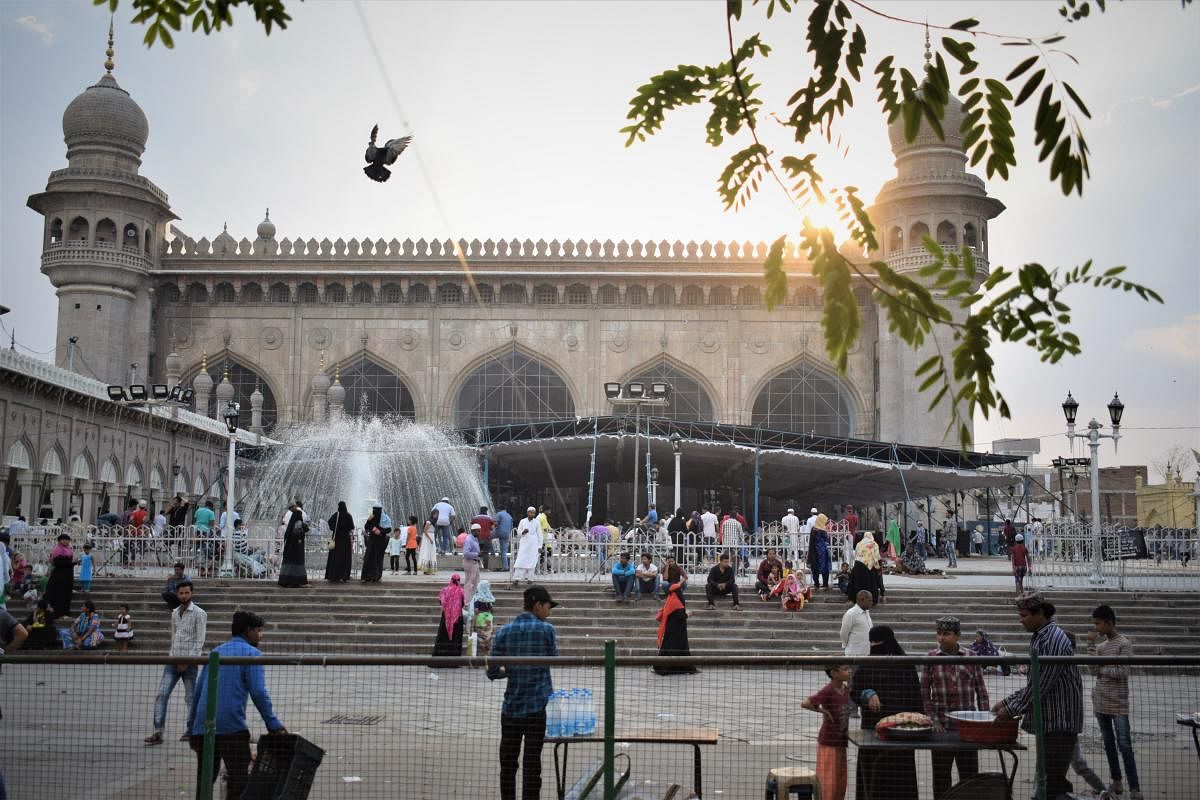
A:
[(1059, 686), (443, 517), (529, 547), (946, 688), (1020, 562), (471, 560), (486, 523), (791, 528), (523, 713)]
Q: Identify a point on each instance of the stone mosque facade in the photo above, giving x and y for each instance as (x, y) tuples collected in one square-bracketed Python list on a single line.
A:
[(474, 333)]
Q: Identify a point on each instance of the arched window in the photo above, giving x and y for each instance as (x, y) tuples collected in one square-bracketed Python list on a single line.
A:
[(251, 293), (363, 293), (692, 296), (917, 234), (148, 241), (306, 293), (509, 389), (106, 231), (129, 237), (664, 295), (335, 293), (418, 293), (197, 293), (78, 232), (608, 295), (748, 296), (578, 295), (895, 239), (244, 381), (545, 295), (687, 401), (374, 390), (280, 293), (803, 399), (391, 293), (449, 293), (947, 236), (720, 296), (636, 295), (484, 293), (56, 231), (168, 293), (512, 293), (970, 238), (224, 293)]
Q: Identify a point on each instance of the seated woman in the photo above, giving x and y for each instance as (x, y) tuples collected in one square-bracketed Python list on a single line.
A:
[(911, 563), (42, 633), (773, 585), (793, 594), (85, 633)]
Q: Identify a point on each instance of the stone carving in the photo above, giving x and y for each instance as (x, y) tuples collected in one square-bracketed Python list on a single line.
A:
[(270, 338), (455, 340), (183, 336), (408, 339), (571, 342), (758, 343), (619, 343), (320, 338), (709, 342)]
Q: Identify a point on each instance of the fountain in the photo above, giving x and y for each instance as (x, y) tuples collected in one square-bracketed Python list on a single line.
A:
[(407, 465)]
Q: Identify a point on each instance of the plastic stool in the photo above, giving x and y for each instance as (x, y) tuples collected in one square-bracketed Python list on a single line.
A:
[(786, 781)]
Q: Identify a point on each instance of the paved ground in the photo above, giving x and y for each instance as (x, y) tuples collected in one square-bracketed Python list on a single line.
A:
[(75, 732)]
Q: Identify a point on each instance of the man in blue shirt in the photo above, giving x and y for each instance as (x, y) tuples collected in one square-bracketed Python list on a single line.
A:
[(234, 685), (504, 526), (523, 714), (622, 578), (651, 515)]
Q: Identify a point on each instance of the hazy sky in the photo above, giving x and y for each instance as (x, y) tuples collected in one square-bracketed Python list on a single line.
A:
[(516, 109)]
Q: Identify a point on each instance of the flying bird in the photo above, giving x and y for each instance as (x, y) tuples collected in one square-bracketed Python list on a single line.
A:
[(378, 157)]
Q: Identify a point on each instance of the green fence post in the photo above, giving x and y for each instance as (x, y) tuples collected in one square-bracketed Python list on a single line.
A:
[(1039, 775), (610, 716), (205, 790)]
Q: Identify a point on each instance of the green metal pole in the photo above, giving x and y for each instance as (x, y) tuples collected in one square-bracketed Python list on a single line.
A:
[(610, 716), (205, 790), (1035, 676)]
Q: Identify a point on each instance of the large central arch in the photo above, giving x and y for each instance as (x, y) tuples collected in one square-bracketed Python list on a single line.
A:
[(689, 399), (376, 389), (511, 387), (804, 397), (245, 379)]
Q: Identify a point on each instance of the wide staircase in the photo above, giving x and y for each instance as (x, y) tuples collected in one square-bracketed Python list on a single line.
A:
[(401, 618)]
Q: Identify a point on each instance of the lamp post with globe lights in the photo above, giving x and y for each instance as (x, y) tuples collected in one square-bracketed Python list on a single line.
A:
[(1093, 436), (676, 446), (230, 413)]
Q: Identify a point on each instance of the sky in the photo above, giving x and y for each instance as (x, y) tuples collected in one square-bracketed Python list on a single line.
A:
[(516, 110)]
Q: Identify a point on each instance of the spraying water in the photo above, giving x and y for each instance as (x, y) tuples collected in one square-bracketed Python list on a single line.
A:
[(407, 465)]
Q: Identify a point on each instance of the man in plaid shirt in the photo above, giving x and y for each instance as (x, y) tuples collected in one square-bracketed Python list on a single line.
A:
[(946, 688)]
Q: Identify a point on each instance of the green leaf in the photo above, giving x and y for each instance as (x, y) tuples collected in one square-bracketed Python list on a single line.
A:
[(965, 24), (1030, 86), (1021, 68)]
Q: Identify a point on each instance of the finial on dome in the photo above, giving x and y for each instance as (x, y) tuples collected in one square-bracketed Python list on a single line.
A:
[(224, 227), (268, 212), (928, 52), (226, 375), (204, 361), (337, 374), (108, 60), (322, 361)]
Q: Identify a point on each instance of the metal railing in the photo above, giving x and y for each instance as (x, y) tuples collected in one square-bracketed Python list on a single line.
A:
[(1131, 558)]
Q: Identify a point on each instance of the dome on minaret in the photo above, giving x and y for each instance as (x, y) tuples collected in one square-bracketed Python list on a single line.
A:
[(266, 228), (104, 125), (224, 389), (926, 137)]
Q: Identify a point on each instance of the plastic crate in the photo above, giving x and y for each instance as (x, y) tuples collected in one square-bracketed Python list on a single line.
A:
[(284, 768)]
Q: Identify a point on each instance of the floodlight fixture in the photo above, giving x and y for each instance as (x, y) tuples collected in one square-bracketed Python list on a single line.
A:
[(612, 390), (137, 392), (635, 389), (117, 394), (176, 393), (659, 390), (188, 396), (159, 391)]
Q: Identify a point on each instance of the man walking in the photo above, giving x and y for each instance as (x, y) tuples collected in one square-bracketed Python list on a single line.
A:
[(856, 626), (235, 685), (946, 688), (189, 626), (921, 538), (503, 531), (708, 523), (1110, 699), (950, 539), (523, 714), (443, 525)]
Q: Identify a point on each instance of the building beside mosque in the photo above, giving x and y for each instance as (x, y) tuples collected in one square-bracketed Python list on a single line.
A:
[(482, 332)]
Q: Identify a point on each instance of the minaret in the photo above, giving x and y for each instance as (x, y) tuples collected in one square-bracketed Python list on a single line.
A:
[(202, 383), (256, 407), (103, 227), (320, 386), (337, 395), (931, 195), (174, 366), (224, 393)]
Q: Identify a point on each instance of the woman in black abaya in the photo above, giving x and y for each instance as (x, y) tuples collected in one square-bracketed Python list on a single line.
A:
[(62, 570), (882, 690), (341, 527), (376, 532), (449, 640), (292, 573)]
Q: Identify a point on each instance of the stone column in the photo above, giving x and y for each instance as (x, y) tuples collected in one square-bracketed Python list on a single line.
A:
[(31, 484), (90, 508), (62, 505), (320, 386)]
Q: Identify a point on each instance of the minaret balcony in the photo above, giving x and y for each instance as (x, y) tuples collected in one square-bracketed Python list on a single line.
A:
[(913, 258), (106, 253)]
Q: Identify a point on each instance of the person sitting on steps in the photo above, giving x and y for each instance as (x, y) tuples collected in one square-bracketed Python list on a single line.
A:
[(722, 580)]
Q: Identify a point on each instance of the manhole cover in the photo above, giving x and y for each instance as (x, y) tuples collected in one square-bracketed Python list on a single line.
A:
[(353, 719)]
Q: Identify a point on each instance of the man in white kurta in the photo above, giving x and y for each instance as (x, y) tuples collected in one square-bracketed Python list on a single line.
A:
[(791, 528), (529, 538)]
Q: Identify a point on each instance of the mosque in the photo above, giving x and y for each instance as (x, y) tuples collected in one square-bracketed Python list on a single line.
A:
[(481, 335)]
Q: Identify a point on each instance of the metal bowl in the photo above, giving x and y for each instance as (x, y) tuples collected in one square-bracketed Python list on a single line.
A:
[(911, 733)]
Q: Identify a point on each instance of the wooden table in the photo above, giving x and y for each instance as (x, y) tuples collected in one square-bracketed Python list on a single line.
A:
[(1195, 726), (693, 736), (946, 741)]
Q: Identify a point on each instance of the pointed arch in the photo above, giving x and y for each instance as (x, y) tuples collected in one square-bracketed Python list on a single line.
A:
[(947, 234), (106, 231), (245, 375), (134, 476), (84, 466), (224, 292), (158, 478), (917, 234), (803, 396), (20, 454), (110, 470), (509, 385), (180, 486), (200, 486), (386, 388), (691, 396), (252, 292), (53, 460), (363, 293)]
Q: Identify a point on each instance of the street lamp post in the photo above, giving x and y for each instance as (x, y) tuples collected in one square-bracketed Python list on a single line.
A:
[(634, 393), (676, 442), (1116, 409), (231, 420), (653, 483)]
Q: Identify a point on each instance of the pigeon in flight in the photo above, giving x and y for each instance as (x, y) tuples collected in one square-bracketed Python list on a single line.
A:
[(378, 157)]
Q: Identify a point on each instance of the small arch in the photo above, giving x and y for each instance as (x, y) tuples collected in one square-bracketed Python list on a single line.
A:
[(970, 237), (513, 293), (485, 293), (197, 293), (578, 294), (56, 230), (391, 293), (363, 293), (81, 467), (280, 293), (418, 293), (664, 295), (692, 296), (79, 231), (106, 231), (180, 485), (917, 234), (545, 295), (20, 455), (199, 486), (803, 396), (636, 295), (748, 296), (149, 242), (224, 292), (449, 293), (133, 475), (168, 292), (109, 471), (720, 296), (895, 239), (252, 293), (947, 236), (306, 293), (52, 461), (130, 236), (158, 478), (335, 293), (608, 295)]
